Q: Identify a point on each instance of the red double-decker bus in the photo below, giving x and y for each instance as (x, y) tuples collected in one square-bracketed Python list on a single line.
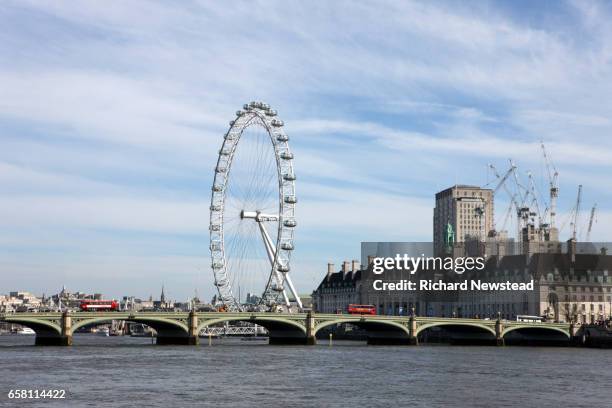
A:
[(361, 309), (99, 305)]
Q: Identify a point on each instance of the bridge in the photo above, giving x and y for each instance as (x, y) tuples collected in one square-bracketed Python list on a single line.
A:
[(185, 327)]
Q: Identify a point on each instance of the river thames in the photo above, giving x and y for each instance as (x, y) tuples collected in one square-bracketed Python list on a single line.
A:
[(127, 372)]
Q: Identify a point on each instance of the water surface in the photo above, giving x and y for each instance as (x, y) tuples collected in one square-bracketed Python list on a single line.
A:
[(128, 372)]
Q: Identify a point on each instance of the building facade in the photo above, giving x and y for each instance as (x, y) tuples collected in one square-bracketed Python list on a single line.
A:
[(567, 287), (339, 289), (465, 212)]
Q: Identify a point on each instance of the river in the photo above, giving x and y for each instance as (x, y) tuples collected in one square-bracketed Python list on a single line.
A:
[(127, 372)]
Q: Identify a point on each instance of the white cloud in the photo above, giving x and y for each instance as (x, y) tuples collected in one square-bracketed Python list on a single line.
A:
[(111, 115)]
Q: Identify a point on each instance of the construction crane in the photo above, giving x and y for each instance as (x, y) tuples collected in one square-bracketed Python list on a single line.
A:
[(591, 218), (576, 212), (523, 212), (519, 186), (502, 183), (501, 179), (553, 176), (508, 212), (534, 200)]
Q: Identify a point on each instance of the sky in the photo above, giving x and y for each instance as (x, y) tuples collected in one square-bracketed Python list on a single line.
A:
[(112, 114)]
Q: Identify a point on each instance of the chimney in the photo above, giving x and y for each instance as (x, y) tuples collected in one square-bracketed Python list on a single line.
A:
[(370, 260), (346, 266), (330, 270), (355, 266), (571, 249)]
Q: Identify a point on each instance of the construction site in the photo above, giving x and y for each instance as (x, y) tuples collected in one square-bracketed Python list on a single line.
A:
[(530, 241), (465, 217)]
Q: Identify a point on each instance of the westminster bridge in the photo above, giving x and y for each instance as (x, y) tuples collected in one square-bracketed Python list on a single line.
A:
[(300, 328)]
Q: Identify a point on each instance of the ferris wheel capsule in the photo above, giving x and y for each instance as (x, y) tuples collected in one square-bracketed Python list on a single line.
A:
[(290, 223)]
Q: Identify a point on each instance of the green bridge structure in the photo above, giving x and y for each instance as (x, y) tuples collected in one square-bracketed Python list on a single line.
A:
[(302, 328)]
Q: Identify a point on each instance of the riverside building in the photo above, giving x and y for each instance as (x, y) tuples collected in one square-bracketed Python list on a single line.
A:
[(567, 286)]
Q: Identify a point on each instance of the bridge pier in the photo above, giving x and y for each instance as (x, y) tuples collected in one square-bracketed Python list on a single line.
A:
[(44, 338), (572, 330), (193, 335), (413, 340), (499, 329), (311, 340)]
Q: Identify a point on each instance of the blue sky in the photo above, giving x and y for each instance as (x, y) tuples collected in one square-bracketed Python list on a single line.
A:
[(111, 115)]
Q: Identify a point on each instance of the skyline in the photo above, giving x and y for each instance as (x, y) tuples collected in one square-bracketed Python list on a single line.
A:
[(111, 119)]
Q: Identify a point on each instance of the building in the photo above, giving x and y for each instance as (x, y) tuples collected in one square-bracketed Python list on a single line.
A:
[(568, 286), (20, 301), (462, 213), (338, 289), (163, 303)]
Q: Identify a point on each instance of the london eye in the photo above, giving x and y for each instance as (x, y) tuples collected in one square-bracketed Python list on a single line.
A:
[(252, 212)]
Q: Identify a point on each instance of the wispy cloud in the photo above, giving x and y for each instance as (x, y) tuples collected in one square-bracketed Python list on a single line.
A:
[(111, 116)]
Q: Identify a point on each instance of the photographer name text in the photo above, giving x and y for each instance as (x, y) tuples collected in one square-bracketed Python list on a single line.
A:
[(430, 285)]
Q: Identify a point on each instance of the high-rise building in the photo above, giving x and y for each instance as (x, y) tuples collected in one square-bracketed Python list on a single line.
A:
[(462, 213)]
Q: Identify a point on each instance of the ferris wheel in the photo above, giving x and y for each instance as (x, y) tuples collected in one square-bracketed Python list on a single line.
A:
[(252, 212)]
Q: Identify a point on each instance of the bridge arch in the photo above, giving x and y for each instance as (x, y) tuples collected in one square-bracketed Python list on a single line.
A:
[(455, 323), (363, 323), (378, 331), (160, 324), (539, 328), (281, 330), (39, 326)]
